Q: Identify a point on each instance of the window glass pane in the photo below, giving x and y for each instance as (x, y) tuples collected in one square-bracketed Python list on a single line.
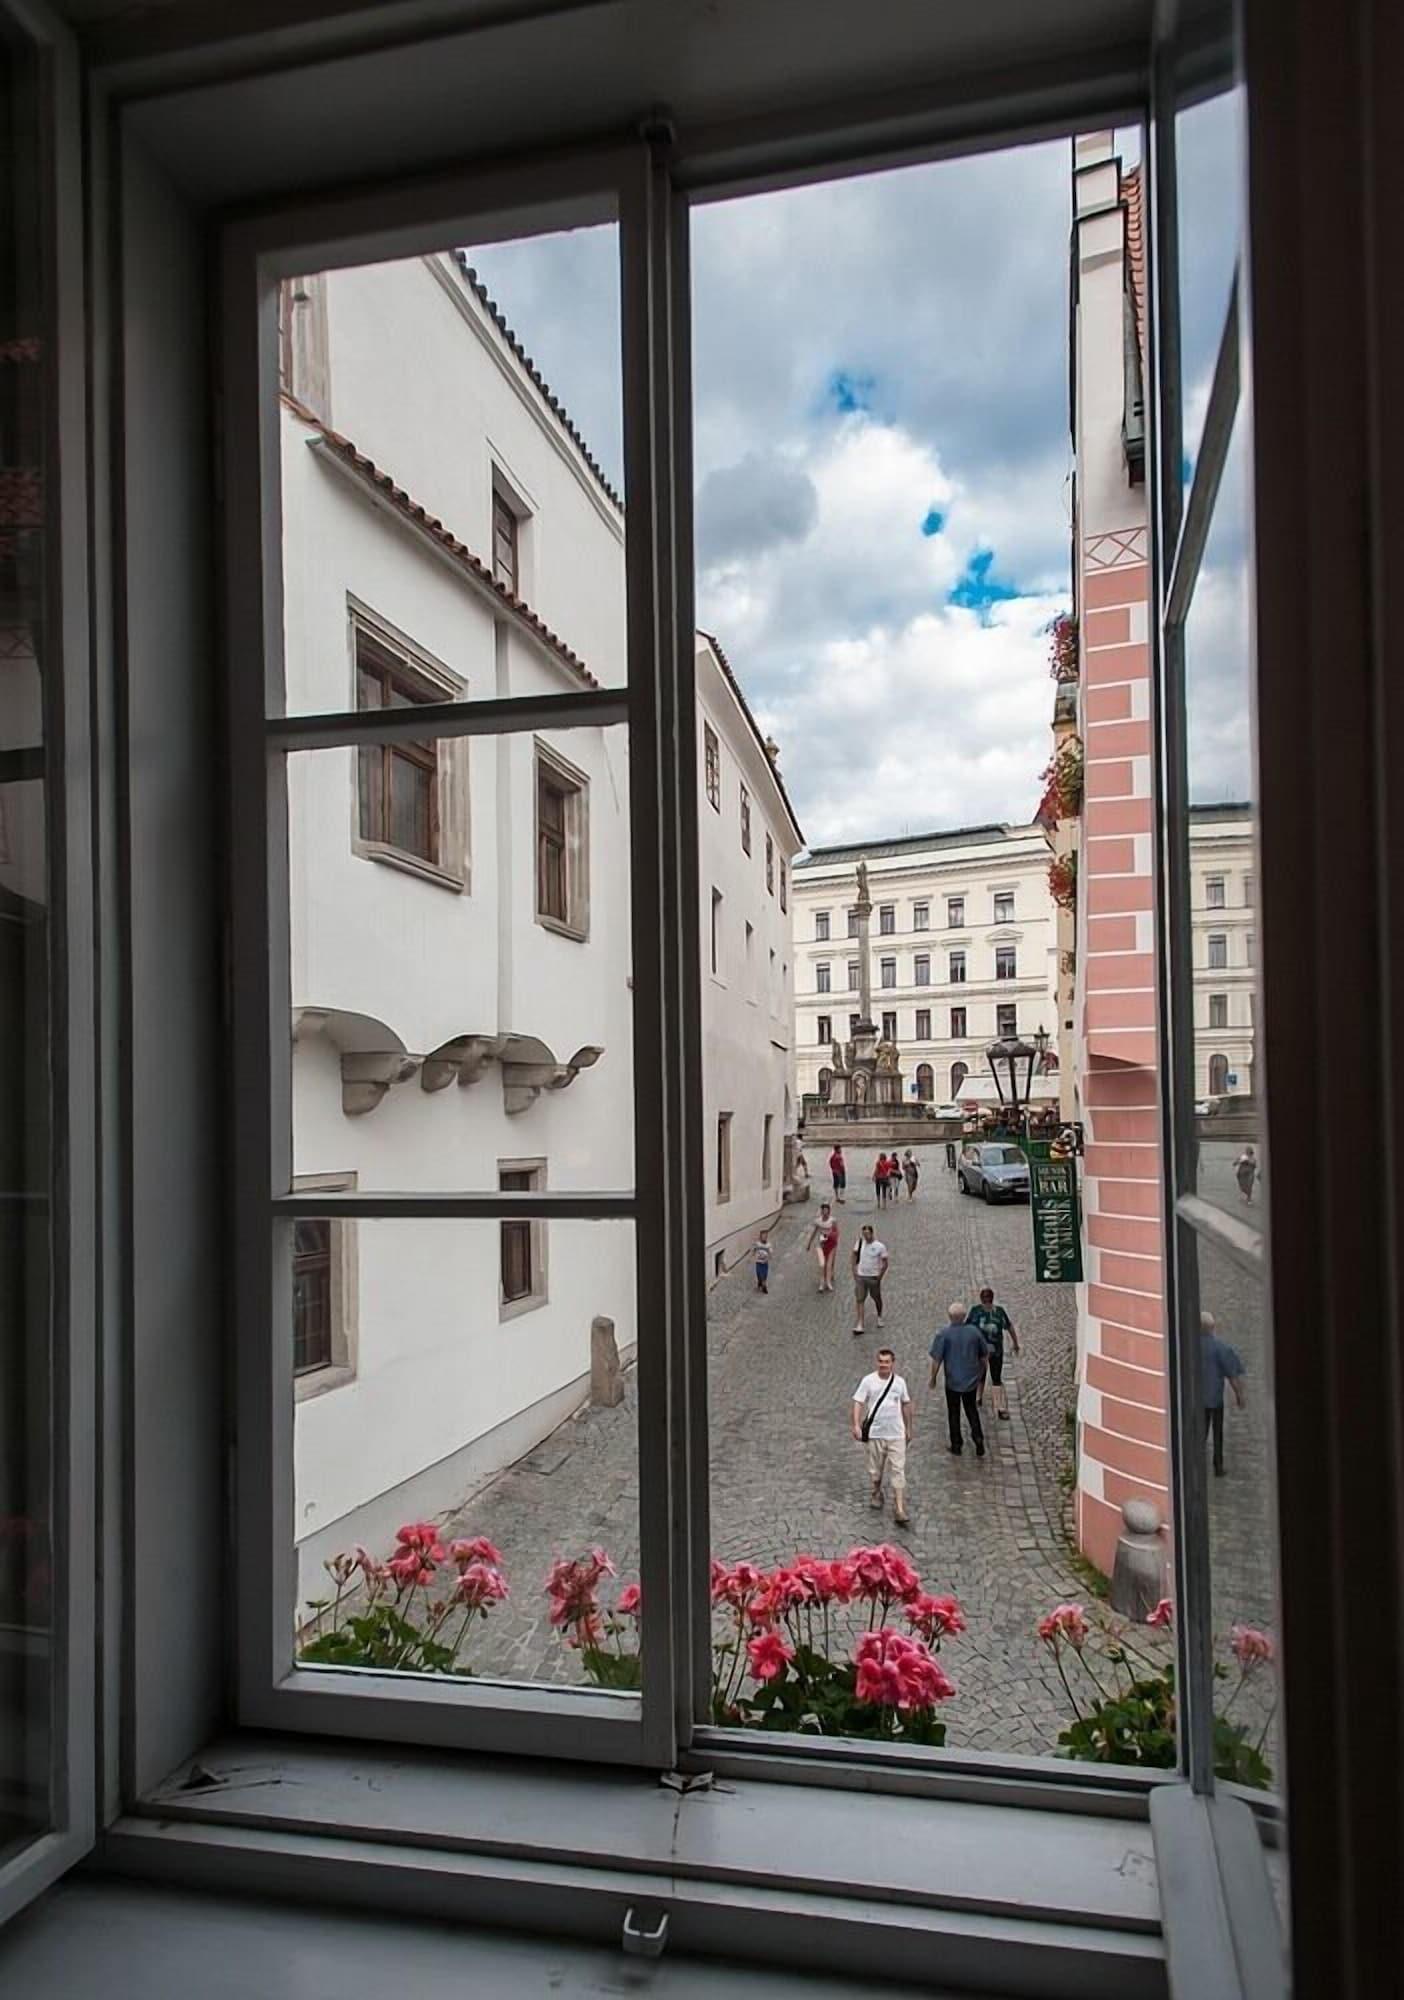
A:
[(1222, 824), (479, 1386), (1235, 1367), (460, 992), (452, 468), (27, 1553), (1209, 138)]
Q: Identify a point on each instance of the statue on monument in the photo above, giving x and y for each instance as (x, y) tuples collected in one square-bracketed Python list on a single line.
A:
[(863, 896), (887, 1058)]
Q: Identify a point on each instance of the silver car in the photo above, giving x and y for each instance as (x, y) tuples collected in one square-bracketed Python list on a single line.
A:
[(998, 1172)]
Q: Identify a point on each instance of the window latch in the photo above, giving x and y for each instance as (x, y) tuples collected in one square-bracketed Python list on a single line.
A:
[(641, 1943)]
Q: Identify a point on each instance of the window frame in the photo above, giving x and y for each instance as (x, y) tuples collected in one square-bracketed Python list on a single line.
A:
[(1006, 961), (998, 897), (450, 815), (887, 919), (959, 1034), (823, 975), (712, 755), (919, 1033), (344, 1303), (921, 916), (1006, 1017), (573, 785), (956, 967), (538, 1293), (1216, 951), (889, 1015), (887, 975), (659, 705), (821, 927), (503, 510), (745, 819), (824, 1031), (955, 923)]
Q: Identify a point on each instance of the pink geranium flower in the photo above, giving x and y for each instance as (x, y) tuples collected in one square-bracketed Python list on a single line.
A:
[(480, 1585), (1250, 1647), (768, 1655), (630, 1601), (935, 1618), (897, 1672), (883, 1572), (1163, 1616), (479, 1549), (1064, 1621), (735, 1587)]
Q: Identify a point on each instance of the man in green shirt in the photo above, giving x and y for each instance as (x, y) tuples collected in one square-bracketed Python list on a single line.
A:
[(994, 1322)]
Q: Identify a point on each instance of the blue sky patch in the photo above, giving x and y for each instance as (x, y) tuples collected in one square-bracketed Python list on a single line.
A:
[(849, 391), (934, 522), (977, 587)]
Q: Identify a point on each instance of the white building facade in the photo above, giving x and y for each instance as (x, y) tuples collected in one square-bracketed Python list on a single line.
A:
[(1223, 949), (748, 840), (962, 946), (459, 910)]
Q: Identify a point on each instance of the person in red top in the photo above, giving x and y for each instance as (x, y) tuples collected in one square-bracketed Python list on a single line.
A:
[(838, 1167), (880, 1178), (823, 1240)]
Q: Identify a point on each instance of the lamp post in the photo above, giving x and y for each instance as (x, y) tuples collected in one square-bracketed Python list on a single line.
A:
[(1011, 1064)]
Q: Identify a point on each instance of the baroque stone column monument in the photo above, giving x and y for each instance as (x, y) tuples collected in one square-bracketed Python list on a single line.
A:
[(867, 1079)]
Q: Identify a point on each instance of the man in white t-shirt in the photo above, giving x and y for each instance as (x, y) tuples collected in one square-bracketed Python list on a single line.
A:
[(882, 1419), (869, 1270)]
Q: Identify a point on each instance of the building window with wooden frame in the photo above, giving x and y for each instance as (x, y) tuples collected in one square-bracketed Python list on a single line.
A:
[(522, 1242), (767, 1129), (712, 751), (889, 1027), (1006, 962), (1006, 1019), (923, 1024), (958, 1029), (921, 969), (955, 913), (562, 845), (887, 972), (821, 926), (1004, 906), (1218, 1010), (824, 1030), (921, 916), (821, 976), (324, 1289), (409, 793), (784, 888), (745, 821), (724, 1156), (887, 919), (770, 864), (506, 554), (957, 968)]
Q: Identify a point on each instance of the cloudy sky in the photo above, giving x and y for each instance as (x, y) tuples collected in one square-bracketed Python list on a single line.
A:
[(882, 469)]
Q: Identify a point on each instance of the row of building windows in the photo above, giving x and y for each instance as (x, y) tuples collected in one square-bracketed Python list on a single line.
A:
[(1217, 949), (1006, 1023), (718, 966), (1218, 888), (712, 754), (1001, 912), (1006, 966)]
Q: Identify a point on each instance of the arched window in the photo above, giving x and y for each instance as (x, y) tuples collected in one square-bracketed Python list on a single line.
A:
[(925, 1082), (959, 1072), (826, 1077), (1218, 1075)]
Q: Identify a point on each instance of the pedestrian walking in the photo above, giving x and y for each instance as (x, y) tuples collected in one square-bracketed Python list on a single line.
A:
[(881, 1417), (962, 1350), (838, 1168), (1245, 1172), (994, 1322), (911, 1173), (760, 1250), (950, 1155), (870, 1262), (1219, 1363), (880, 1179), (823, 1239)]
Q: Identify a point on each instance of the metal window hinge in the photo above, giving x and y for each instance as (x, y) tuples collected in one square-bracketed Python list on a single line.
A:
[(641, 1943)]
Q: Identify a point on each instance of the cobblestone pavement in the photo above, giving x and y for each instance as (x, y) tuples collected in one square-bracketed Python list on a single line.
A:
[(787, 1477)]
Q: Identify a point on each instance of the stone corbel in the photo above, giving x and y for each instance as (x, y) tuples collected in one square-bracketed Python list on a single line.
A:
[(460, 1061), (366, 1075), (529, 1068)]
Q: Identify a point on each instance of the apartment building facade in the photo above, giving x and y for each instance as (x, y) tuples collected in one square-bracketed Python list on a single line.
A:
[(962, 948)]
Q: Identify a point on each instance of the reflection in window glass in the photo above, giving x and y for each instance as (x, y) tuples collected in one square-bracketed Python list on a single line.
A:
[(26, 1499), (1235, 1363), (1209, 139), (1222, 836)]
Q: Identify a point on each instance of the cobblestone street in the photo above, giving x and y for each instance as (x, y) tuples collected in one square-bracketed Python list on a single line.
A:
[(787, 1477)]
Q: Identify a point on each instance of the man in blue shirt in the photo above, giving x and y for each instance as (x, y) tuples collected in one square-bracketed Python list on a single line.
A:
[(1219, 1363), (962, 1350)]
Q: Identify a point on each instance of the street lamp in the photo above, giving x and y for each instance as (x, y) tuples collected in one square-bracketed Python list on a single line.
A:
[(1011, 1064)]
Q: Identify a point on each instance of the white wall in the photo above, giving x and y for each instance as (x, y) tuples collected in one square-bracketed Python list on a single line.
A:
[(1014, 858), (746, 1009), (444, 1386)]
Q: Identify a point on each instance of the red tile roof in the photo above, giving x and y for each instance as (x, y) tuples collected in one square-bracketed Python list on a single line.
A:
[(724, 663), (373, 476), (1132, 202)]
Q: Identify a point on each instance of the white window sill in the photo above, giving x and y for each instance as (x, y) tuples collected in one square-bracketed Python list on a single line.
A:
[(319, 1381), (982, 1897), (515, 1308), (575, 932), (410, 864)]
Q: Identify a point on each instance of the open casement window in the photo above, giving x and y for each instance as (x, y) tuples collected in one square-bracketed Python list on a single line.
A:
[(505, 565), (562, 845)]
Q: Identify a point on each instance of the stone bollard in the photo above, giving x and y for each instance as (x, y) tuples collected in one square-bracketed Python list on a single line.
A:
[(1138, 1576), (606, 1376)]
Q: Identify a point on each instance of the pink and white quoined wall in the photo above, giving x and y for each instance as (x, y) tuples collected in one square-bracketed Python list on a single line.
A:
[(1122, 1371)]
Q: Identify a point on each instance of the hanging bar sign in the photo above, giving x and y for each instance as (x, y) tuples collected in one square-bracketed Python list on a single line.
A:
[(1057, 1237)]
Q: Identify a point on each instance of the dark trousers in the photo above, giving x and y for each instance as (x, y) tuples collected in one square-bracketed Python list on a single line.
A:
[(956, 1401), (1214, 1422)]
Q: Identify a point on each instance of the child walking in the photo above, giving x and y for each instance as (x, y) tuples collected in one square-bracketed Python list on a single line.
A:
[(761, 1253)]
